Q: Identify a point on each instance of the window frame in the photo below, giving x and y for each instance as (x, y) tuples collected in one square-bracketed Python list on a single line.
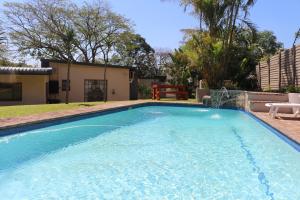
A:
[(64, 85), (51, 88), (18, 97)]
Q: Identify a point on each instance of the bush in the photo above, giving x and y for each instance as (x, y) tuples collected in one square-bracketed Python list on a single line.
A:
[(144, 91), (292, 89)]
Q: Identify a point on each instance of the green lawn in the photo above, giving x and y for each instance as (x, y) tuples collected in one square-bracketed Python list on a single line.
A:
[(174, 99), (22, 110)]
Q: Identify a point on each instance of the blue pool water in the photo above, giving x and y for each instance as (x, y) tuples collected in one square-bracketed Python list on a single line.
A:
[(153, 152)]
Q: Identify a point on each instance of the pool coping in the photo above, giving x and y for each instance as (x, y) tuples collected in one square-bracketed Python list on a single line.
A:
[(53, 118), (89, 112), (12, 128), (295, 144)]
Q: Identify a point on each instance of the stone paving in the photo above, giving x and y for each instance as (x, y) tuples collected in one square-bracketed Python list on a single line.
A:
[(48, 116), (285, 123)]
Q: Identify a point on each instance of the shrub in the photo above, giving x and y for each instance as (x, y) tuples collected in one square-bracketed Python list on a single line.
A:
[(144, 91), (290, 89)]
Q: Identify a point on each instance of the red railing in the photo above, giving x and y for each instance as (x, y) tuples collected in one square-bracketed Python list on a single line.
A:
[(179, 91)]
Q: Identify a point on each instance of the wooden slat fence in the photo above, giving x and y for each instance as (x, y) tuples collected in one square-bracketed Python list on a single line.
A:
[(281, 70)]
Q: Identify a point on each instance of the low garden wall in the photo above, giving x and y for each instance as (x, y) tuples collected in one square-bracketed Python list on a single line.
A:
[(200, 93), (256, 101), (250, 101)]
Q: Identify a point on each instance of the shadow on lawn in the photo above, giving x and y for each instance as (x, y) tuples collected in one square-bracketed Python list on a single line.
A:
[(86, 105)]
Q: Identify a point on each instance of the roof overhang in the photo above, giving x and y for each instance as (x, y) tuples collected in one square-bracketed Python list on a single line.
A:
[(26, 70), (46, 63)]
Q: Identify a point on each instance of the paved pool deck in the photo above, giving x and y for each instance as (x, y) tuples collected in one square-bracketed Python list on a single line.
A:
[(48, 116), (285, 123)]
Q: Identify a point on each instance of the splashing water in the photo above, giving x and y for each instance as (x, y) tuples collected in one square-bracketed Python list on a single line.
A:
[(223, 92)]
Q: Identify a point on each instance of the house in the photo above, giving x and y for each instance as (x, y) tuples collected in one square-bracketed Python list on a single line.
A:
[(23, 85), (47, 84)]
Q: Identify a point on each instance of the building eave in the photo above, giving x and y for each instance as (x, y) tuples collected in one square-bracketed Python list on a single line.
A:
[(25, 70), (46, 63)]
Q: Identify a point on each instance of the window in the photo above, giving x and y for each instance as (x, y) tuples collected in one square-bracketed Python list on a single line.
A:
[(53, 87), (64, 85), (93, 90), (10, 91)]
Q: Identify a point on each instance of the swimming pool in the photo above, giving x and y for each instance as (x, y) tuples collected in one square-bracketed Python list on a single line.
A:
[(150, 152)]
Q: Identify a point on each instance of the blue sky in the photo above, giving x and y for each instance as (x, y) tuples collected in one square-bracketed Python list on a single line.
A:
[(160, 22)]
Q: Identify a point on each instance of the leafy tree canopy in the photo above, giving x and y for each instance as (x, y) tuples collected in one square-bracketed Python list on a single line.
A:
[(268, 43), (133, 50), (63, 30), (40, 28), (3, 40), (178, 70), (227, 45)]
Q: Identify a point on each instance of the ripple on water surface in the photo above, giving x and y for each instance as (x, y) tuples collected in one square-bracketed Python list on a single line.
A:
[(165, 155)]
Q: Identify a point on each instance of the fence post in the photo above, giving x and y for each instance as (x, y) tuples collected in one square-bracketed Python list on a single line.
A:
[(259, 72), (294, 65), (269, 73), (279, 63)]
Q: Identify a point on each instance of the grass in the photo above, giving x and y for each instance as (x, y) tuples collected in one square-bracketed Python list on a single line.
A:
[(24, 110), (184, 101)]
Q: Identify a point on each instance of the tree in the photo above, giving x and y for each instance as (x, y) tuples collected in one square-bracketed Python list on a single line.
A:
[(227, 45), (42, 29), (267, 43), (219, 23), (205, 54), (297, 36), (100, 28), (163, 59), (7, 58), (115, 27), (3, 40), (68, 42), (38, 28), (133, 50), (178, 70)]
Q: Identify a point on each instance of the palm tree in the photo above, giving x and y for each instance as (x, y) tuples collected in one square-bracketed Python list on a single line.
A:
[(220, 19), (297, 36)]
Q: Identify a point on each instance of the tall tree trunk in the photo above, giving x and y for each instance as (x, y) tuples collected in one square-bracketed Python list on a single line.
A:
[(233, 24), (229, 36), (105, 81), (200, 23), (105, 85), (68, 81)]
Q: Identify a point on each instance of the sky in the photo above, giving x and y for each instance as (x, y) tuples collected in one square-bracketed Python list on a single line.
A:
[(160, 22)]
